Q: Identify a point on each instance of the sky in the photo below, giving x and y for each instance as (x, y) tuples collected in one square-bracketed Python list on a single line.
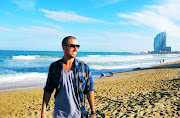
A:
[(98, 25)]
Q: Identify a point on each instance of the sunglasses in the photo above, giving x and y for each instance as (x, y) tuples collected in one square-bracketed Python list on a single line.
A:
[(73, 45)]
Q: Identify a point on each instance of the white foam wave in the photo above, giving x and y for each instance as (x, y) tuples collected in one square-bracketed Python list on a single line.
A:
[(114, 58), (29, 57), (24, 57), (22, 77), (172, 55), (98, 67), (144, 64), (94, 55)]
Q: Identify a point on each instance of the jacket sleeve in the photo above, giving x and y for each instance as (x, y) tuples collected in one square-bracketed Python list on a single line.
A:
[(49, 87), (89, 85)]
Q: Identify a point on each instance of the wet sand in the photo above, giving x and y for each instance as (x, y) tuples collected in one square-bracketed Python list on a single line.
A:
[(152, 92)]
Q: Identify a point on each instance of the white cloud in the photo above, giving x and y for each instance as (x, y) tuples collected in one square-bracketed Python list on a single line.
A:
[(123, 36), (107, 2), (9, 14), (25, 4), (108, 36), (102, 3), (36, 30), (170, 9), (160, 17), (68, 16), (111, 41), (47, 24), (5, 29)]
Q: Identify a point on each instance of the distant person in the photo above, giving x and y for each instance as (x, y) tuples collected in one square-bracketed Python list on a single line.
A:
[(163, 60), (72, 80), (160, 60), (110, 73), (102, 75)]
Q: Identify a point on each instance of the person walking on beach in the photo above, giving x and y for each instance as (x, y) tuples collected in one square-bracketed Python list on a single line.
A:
[(72, 80)]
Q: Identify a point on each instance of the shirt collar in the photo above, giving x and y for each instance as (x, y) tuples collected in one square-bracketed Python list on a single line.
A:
[(75, 61)]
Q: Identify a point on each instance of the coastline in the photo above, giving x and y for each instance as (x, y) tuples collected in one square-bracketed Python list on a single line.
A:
[(40, 83), (146, 92), (165, 65)]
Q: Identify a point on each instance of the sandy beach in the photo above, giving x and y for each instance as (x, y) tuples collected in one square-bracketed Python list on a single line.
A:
[(152, 92)]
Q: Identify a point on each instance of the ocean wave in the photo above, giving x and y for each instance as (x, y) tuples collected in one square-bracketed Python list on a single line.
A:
[(22, 77), (125, 66), (94, 55), (29, 57), (114, 58), (172, 55), (6, 71), (23, 57), (98, 67)]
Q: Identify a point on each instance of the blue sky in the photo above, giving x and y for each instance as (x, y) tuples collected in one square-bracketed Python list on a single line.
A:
[(99, 25)]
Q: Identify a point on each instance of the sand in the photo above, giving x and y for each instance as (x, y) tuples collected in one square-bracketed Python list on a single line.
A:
[(152, 92)]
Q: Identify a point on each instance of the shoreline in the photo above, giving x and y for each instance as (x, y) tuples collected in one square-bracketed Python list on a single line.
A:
[(41, 84), (152, 92), (156, 66), (21, 88), (22, 85)]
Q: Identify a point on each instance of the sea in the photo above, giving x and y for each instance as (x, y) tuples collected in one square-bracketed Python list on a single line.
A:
[(29, 69)]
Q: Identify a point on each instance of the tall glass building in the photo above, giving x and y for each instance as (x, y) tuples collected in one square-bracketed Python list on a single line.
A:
[(160, 42)]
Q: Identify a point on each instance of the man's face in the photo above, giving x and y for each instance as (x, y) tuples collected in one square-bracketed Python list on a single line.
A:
[(70, 50)]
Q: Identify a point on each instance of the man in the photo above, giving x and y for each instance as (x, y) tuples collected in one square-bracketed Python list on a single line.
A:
[(72, 80)]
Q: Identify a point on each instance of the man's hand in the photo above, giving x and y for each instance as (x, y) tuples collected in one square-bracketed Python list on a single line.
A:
[(93, 116), (46, 98), (43, 115), (43, 112), (91, 100)]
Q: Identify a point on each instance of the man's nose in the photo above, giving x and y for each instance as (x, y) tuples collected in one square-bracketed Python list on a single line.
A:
[(75, 48)]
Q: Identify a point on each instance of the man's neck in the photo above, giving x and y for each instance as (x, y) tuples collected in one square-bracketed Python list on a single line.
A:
[(67, 61)]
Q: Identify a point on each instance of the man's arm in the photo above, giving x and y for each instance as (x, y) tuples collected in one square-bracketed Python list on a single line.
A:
[(91, 100), (46, 98)]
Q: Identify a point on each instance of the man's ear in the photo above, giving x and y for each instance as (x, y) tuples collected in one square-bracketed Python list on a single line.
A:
[(63, 47)]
